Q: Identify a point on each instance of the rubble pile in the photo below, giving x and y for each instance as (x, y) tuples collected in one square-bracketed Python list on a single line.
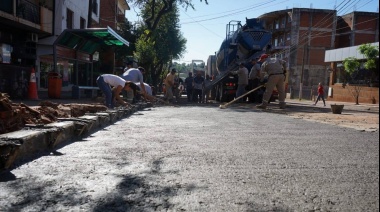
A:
[(14, 117)]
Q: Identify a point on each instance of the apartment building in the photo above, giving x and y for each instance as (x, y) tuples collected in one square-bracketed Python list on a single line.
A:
[(353, 29), (112, 13), (53, 38), (301, 36), (22, 23)]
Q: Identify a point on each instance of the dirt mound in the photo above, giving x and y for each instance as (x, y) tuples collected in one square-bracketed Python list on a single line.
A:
[(14, 117)]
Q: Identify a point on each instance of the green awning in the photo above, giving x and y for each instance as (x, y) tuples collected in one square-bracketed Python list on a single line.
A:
[(89, 40)]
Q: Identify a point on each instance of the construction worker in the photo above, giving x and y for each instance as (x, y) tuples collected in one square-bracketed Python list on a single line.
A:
[(169, 83), (242, 73), (111, 85), (134, 75), (189, 87), (254, 80), (275, 69)]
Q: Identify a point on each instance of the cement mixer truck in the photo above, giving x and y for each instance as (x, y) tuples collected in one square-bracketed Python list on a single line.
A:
[(242, 43)]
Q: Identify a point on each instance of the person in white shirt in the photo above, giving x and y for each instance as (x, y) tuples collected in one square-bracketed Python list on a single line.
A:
[(111, 85), (149, 94)]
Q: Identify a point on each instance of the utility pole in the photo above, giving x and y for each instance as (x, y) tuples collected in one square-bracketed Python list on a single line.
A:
[(302, 68)]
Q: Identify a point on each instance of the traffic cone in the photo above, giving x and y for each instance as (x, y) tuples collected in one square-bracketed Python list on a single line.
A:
[(32, 91)]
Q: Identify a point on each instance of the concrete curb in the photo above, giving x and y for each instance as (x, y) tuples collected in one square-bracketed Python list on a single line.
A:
[(34, 140)]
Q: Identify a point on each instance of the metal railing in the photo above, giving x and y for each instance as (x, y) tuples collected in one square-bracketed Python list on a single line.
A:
[(28, 11)]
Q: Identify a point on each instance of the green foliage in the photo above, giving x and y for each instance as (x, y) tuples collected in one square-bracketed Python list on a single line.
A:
[(156, 48), (371, 53), (351, 64), (128, 33)]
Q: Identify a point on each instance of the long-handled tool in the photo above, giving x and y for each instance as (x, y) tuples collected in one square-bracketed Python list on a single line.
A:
[(224, 106)]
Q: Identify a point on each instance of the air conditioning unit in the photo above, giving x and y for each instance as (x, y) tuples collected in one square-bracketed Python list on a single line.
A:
[(32, 37)]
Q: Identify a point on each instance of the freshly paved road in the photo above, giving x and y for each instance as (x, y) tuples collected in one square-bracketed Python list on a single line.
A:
[(203, 159)]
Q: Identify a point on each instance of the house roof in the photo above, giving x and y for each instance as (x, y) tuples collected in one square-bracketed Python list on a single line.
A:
[(89, 40)]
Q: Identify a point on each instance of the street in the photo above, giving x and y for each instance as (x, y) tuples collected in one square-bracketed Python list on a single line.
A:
[(191, 158)]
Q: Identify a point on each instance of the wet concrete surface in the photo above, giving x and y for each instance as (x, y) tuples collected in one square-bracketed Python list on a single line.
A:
[(191, 157)]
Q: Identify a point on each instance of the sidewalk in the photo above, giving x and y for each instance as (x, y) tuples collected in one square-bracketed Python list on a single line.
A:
[(364, 107)]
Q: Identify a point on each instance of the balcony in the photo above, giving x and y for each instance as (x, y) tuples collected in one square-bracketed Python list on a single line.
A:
[(121, 18), (27, 13)]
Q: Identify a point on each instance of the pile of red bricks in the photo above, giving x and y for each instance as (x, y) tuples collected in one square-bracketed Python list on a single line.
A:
[(14, 117)]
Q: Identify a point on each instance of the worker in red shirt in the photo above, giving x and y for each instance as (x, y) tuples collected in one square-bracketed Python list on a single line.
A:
[(321, 94)]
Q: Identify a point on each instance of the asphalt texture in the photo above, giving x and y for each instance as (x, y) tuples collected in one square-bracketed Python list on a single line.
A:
[(191, 158)]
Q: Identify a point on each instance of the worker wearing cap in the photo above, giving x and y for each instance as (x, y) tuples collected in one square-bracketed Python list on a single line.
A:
[(242, 73), (275, 69)]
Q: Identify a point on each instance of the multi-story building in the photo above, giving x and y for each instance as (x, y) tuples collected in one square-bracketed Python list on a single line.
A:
[(54, 37), (353, 29), (301, 36), (72, 67), (22, 24), (112, 13)]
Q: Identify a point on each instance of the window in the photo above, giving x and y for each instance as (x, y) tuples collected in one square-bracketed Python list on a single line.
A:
[(82, 23), (283, 22), (288, 36), (281, 41), (277, 24), (95, 7), (69, 19)]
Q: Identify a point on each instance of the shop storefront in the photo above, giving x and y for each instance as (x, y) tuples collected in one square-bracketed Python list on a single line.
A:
[(75, 58)]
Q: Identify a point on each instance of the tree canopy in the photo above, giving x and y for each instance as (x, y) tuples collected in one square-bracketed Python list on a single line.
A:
[(158, 8), (156, 49), (371, 53)]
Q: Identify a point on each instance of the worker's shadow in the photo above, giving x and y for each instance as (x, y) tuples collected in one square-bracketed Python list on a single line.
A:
[(6, 176), (55, 153)]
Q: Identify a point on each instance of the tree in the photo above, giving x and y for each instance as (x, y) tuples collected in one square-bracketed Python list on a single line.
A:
[(156, 49), (158, 8), (128, 32), (371, 53), (351, 66)]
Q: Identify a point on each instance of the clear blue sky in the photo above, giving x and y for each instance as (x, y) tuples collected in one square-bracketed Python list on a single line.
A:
[(205, 27)]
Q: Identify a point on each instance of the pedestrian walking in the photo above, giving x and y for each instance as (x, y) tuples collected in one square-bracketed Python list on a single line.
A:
[(189, 87), (111, 85), (169, 83), (198, 85), (242, 73), (321, 94), (254, 80), (275, 69)]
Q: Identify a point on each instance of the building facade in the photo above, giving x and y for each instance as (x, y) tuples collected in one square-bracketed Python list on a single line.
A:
[(71, 68), (22, 24), (353, 29), (301, 36), (28, 39)]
